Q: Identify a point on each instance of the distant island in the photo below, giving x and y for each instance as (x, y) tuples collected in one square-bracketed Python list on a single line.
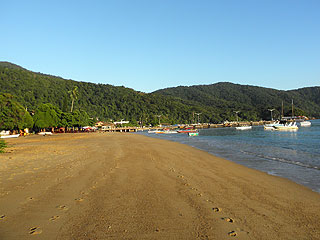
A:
[(104, 102)]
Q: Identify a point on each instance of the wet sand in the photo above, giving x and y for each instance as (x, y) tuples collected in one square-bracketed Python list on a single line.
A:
[(128, 186)]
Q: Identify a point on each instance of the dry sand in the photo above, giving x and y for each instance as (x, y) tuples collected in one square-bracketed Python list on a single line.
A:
[(128, 186)]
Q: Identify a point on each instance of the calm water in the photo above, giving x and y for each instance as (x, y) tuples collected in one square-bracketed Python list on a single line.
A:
[(294, 155)]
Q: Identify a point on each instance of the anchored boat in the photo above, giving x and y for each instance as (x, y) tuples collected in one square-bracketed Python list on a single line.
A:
[(292, 126), (10, 136), (272, 126), (244, 127), (305, 124), (192, 134)]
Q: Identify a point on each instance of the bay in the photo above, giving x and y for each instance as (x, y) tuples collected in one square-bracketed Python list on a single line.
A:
[(293, 155)]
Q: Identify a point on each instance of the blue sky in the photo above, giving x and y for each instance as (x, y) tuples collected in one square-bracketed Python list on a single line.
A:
[(151, 44)]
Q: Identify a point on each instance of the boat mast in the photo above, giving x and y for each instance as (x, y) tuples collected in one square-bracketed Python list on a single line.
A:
[(159, 116), (282, 114), (198, 114), (237, 115), (271, 110), (292, 108)]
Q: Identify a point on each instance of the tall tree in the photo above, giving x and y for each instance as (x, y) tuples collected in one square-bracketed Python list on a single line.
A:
[(74, 96)]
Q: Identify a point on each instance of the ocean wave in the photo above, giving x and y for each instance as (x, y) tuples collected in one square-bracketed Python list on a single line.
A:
[(282, 160)]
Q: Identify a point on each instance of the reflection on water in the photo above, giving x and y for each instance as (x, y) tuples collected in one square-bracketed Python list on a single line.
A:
[(294, 155)]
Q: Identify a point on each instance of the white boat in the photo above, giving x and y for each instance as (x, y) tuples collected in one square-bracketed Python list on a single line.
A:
[(153, 131), (10, 136), (192, 134), (292, 126), (305, 124), (4, 132), (166, 132), (45, 133), (272, 126), (268, 127), (244, 127)]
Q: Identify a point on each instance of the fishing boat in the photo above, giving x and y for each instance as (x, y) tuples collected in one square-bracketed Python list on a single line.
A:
[(192, 134), (45, 133), (305, 124), (187, 131), (10, 136), (244, 127), (153, 131), (166, 132)]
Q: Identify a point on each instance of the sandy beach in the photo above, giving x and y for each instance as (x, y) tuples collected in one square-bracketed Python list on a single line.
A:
[(128, 186)]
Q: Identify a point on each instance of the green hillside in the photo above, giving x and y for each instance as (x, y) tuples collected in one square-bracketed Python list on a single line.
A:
[(250, 99), (100, 101), (216, 102)]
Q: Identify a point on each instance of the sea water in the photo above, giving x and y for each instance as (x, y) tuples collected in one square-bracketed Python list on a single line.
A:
[(293, 155)]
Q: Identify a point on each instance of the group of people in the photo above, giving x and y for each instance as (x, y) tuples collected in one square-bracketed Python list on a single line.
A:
[(24, 132)]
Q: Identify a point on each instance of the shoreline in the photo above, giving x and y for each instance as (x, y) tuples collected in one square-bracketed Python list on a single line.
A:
[(275, 165), (123, 186)]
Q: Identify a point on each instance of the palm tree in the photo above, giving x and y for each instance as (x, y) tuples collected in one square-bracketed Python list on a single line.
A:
[(73, 95)]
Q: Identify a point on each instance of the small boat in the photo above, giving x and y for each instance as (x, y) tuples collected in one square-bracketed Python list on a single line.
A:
[(272, 126), (4, 132), (166, 132), (153, 131), (244, 127), (268, 127), (187, 131), (292, 126), (192, 134), (10, 136), (45, 133), (305, 124)]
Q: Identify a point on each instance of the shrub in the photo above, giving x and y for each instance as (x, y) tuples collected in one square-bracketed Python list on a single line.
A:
[(3, 145)]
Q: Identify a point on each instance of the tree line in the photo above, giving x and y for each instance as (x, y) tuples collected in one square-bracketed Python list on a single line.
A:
[(13, 116), (103, 102)]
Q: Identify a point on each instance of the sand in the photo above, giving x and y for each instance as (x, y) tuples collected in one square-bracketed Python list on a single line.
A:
[(128, 186)]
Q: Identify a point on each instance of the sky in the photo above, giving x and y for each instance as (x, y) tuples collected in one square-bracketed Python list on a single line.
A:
[(153, 44)]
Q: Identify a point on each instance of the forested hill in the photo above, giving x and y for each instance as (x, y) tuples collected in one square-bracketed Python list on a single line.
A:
[(100, 101), (248, 99), (216, 102)]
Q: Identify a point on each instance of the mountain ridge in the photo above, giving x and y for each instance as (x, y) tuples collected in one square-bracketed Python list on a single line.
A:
[(217, 102)]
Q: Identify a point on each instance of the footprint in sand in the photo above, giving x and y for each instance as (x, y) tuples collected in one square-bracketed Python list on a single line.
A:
[(79, 199), (35, 230), (230, 220), (30, 198), (2, 217), (232, 234), (215, 209), (62, 207), (53, 218)]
